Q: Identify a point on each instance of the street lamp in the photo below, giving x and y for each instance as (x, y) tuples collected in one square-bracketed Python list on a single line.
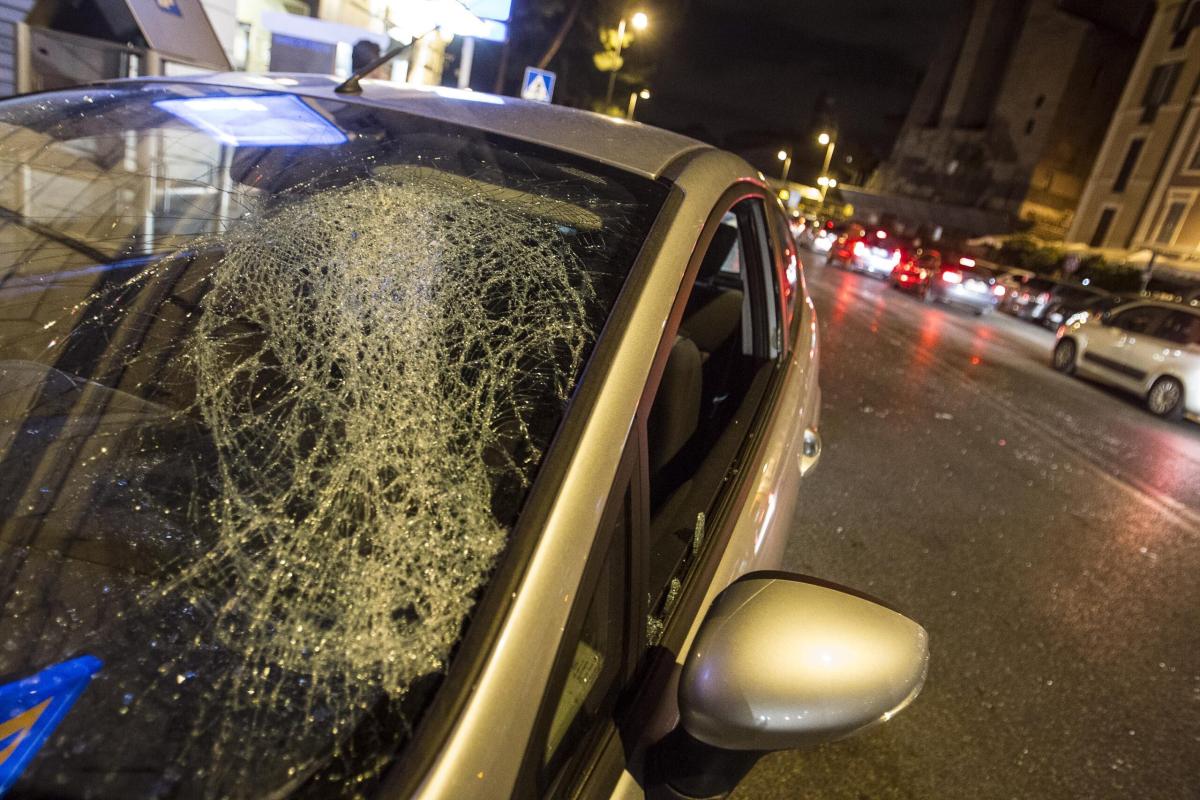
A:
[(640, 21), (786, 158), (633, 98), (826, 141)]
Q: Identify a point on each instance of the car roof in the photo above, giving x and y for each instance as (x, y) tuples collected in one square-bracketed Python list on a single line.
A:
[(631, 146)]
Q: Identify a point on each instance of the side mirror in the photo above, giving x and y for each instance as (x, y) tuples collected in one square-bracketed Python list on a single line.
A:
[(781, 662)]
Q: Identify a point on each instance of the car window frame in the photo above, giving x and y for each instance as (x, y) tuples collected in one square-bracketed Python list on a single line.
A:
[(531, 781), (652, 676)]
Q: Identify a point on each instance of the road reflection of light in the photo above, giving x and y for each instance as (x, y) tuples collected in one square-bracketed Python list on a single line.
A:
[(842, 300), (928, 337)]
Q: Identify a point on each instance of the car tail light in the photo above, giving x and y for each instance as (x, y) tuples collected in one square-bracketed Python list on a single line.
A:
[(949, 276), (998, 291), (859, 248)]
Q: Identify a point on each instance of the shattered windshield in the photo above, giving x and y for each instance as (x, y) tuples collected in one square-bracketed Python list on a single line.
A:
[(276, 374)]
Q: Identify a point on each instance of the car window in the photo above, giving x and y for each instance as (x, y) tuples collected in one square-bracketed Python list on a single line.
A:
[(1142, 319), (1180, 327), (276, 375), (788, 256), (714, 376)]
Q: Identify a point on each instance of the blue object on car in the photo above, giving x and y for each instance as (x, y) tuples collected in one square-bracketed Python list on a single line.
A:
[(31, 708)]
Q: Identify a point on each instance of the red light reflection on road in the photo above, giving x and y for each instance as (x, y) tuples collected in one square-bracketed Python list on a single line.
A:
[(842, 300)]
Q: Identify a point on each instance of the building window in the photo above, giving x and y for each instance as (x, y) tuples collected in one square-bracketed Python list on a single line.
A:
[(1170, 223), (1106, 221), (1131, 159), (1188, 18), (1160, 88)]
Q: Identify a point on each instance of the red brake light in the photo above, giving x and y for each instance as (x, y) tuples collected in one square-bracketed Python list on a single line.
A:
[(949, 276)]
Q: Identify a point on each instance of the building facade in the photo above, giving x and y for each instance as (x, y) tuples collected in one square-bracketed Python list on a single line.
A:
[(1011, 115), (1142, 194)]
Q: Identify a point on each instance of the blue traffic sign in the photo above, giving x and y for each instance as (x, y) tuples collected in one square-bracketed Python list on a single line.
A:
[(538, 85)]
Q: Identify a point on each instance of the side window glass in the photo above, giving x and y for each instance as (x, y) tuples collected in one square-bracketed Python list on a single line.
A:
[(594, 677), (715, 374), (1180, 327), (789, 258), (1138, 320)]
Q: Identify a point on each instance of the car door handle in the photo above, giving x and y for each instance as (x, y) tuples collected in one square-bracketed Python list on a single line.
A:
[(811, 452)]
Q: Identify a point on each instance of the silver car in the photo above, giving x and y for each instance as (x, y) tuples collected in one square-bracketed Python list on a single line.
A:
[(1150, 349), (404, 443)]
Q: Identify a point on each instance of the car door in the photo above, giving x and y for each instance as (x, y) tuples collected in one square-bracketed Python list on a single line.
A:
[(698, 433), (1123, 350)]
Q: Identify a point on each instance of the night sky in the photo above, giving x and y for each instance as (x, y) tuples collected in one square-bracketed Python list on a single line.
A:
[(748, 74)]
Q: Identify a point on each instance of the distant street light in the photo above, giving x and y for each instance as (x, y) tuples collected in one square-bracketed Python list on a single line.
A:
[(826, 141), (640, 22), (786, 158), (644, 94)]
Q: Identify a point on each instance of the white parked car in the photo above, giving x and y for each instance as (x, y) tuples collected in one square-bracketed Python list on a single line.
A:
[(1149, 348)]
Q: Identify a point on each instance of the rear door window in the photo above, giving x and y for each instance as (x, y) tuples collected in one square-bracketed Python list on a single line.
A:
[(1180, 327)]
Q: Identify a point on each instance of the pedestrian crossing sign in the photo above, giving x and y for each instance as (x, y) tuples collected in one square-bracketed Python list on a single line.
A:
[(538, 85)]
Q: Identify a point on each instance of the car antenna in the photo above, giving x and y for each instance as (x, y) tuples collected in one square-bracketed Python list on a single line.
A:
[(350, 85)]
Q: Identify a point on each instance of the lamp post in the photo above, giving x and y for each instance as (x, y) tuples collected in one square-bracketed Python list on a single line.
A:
[(786, 158), (829, 144), (639, 21), (633, 98)]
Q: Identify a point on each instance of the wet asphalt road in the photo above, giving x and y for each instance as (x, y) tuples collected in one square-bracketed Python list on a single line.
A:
[(1045, 530)]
